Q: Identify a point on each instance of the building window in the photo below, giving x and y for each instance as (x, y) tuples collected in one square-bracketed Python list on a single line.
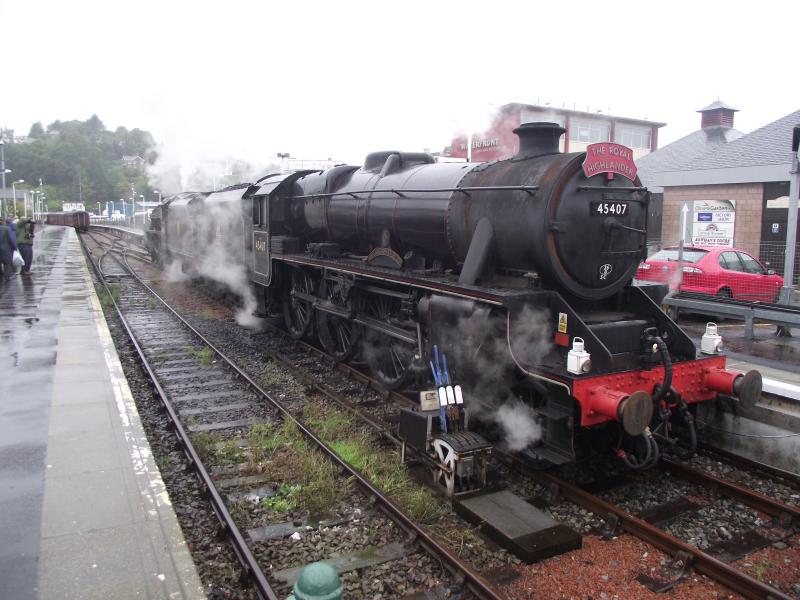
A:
[(633, 137), (587, 132)]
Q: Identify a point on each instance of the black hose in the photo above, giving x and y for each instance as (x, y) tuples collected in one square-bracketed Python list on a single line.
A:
[(645, 463), (664, 387), (656, 450)]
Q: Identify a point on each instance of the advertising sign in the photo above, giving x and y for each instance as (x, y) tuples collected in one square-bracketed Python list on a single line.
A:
[(714, 222)]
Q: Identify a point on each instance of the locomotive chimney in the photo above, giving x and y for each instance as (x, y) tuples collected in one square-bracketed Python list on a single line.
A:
[(536, 139)]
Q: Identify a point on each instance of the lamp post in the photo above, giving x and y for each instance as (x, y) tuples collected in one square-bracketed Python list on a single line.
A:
[(98, 209), (4, 205), (141, 201), (14, 193), (159, 195), (123, 209)]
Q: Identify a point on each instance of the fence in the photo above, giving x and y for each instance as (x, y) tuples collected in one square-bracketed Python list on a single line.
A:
[(750, 274)]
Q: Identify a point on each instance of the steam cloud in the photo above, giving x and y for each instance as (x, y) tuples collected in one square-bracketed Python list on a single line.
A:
[(478, 357), (220, 238)]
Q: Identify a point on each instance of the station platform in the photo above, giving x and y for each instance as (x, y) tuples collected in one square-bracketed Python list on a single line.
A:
[(83, 509)]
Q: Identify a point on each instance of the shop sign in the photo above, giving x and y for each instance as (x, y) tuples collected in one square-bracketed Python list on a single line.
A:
[(714, 222)]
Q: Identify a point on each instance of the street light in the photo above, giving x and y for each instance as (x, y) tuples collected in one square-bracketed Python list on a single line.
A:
[(123, 210), (5, 198), (14, 193), (141, 201)]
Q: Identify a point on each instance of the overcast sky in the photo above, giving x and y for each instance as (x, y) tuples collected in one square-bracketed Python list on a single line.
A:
[(340, 79)]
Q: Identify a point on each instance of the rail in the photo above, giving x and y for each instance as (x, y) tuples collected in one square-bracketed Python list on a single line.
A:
[(703, 562), (787, 316), (474, 582)]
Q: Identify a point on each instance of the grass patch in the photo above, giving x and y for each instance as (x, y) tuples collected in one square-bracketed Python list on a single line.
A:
[(160, 354), (204, 444), (353, 452), (110, 295), (261, 442), (228, 453), (329, 424), (240, 511), (204, 356), (319, 484), (456, 537)]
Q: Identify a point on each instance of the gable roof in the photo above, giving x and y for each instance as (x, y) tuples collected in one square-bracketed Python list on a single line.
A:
[(760, 156), (678, 154)]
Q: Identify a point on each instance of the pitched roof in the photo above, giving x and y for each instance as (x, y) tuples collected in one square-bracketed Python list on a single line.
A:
[(769, 145), (716, 105), (730, 157), (674, 156)]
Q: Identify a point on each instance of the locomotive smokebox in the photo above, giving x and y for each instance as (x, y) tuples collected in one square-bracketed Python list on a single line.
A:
[(538, 139)]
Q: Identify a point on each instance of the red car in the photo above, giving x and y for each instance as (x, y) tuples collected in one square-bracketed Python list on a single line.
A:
[(713, 270)]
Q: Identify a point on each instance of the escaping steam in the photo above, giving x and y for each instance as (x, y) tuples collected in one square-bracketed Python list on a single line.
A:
[(479, 359)]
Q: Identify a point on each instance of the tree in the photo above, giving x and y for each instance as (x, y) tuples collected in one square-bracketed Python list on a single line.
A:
[(37, 131), (81, 159)]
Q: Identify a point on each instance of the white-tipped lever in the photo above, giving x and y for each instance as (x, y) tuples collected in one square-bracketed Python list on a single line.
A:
[(451, 399), (442, 396), (459, 396)]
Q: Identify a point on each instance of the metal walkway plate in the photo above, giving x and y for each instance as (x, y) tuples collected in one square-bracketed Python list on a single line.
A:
[(350, 562), (518, 526)]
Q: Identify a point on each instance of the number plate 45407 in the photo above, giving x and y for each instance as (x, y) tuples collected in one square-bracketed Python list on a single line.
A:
[(608, 209)]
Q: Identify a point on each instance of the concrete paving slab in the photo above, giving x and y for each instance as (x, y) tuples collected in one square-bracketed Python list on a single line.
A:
[(86, 418), (94, 565), (85, 501), (96, 391), (77, 480), (79, 453)]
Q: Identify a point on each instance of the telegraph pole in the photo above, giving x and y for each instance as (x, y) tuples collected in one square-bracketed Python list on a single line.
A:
[(787, 292)]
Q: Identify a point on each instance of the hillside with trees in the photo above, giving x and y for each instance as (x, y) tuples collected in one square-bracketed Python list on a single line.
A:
[(81, 160)]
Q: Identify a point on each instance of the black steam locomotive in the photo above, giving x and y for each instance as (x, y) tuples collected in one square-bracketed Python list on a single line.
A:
[(519, 271)]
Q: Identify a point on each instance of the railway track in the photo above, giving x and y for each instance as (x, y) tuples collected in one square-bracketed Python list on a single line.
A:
[(203, 392), (338, 382)]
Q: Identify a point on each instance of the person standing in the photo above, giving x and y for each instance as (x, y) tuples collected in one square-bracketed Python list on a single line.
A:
[(7, 247), (25, 243)]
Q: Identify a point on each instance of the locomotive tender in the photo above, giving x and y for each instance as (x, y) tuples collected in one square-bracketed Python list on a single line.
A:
[(519, 270)]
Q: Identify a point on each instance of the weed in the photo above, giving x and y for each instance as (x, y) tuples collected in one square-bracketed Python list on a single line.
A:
[(204, 356), (353, 452), (456, 537), (284, 500), (204, 444), (262, 441), (228, 452), (110, 295), (320, 487), (164, 462), (328, 423), (160, 354), (240, 511)]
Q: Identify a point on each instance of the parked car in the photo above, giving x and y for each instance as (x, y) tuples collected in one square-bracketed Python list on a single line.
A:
[(713, 270)]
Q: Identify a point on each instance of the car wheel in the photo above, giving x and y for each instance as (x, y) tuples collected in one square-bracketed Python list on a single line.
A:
[(724, 294)]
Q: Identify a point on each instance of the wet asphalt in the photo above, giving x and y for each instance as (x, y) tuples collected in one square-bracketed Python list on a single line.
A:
[(29, 314)]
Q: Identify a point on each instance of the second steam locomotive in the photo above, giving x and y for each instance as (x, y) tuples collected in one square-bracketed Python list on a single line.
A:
[(519, 271)]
